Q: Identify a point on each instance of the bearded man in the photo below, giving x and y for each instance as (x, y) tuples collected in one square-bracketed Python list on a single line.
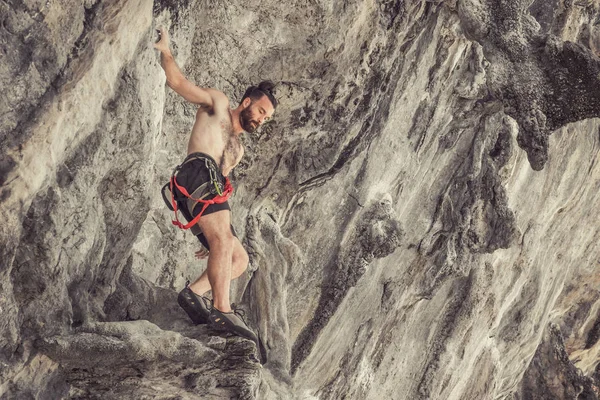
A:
[(197, 187)]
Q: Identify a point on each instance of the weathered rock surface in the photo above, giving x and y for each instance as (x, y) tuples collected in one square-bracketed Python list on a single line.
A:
[(551, 375), (420, 216)]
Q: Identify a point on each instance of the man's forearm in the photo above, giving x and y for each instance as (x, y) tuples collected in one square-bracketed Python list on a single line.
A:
[(172, 71), (176, 80)]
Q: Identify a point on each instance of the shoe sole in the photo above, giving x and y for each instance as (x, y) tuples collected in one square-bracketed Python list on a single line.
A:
[(225, 328), (191, 309)]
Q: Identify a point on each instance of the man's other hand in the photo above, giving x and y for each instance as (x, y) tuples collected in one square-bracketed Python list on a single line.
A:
[(202, 253)]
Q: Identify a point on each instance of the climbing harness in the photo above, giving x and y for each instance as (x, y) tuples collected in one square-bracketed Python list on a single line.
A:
[(223, 192)]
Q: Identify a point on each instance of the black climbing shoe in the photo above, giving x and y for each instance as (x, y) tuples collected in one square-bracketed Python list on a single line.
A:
[(232, 322), (197, 307)]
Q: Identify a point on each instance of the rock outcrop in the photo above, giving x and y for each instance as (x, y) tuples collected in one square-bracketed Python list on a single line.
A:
[(420, 215)]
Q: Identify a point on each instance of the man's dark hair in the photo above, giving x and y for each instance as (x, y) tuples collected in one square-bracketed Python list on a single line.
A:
[(265, 88)]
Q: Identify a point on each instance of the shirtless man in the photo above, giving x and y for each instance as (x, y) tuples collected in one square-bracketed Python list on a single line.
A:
[(214, 149)]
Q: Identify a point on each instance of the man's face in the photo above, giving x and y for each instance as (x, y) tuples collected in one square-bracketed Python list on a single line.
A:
[(256, 113)]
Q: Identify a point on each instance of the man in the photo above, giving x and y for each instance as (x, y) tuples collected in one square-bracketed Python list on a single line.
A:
[(214, 149)]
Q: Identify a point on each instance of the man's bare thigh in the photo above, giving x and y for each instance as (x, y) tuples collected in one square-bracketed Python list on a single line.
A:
[(217, 224)]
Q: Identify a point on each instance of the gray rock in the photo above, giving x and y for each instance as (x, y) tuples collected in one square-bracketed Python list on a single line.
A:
[(217, 342), (420, 215), (551, 375)]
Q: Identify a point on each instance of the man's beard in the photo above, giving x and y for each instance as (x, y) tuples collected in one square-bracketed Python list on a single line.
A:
[(246, 121)]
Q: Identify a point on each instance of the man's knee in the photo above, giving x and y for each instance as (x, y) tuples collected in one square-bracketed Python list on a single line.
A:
[(221, 239)]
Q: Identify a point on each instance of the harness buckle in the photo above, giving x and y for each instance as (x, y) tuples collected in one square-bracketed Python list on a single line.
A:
[(213, 177)]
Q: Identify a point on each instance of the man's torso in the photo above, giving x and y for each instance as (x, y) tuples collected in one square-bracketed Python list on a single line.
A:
[(213, 135)]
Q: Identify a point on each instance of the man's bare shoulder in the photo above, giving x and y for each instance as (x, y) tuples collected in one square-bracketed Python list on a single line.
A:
[(219, 107), (219, 98)]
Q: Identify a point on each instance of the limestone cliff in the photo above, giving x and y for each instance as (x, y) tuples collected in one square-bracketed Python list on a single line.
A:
[(420, 215)]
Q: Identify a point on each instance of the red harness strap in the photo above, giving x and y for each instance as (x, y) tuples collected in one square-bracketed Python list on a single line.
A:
[(222, 198)]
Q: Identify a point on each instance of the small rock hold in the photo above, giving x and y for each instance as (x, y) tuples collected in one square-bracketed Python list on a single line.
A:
[(217, 343)]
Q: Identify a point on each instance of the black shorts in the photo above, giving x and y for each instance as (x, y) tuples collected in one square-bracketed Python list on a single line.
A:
[(195, 176)]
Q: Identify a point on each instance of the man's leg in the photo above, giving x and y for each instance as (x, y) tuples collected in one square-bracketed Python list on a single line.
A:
[(239, 263), (216, 229), (240, 259), (223, 245)]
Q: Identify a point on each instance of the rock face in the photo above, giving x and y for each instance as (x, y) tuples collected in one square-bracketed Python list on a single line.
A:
[(551, 375), (420, 216)]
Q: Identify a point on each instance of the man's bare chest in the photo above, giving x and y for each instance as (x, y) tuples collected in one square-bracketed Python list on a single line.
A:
[(232, 150), (231, 144)]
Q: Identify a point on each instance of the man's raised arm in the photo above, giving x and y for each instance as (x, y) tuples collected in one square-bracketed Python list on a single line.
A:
[(178, 82)]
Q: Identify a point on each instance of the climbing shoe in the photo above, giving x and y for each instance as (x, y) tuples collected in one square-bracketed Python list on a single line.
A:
[(232, 322), (197, 307)]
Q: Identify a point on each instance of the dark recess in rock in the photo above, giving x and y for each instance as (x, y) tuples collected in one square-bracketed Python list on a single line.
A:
[(543, 11), (551, 375), (594, 335), (7, 164), (472, 216), (547, 83), (175, 7)]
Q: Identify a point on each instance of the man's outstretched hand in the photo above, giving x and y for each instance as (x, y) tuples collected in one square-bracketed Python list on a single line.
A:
[(163, 40), (202, 253)]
